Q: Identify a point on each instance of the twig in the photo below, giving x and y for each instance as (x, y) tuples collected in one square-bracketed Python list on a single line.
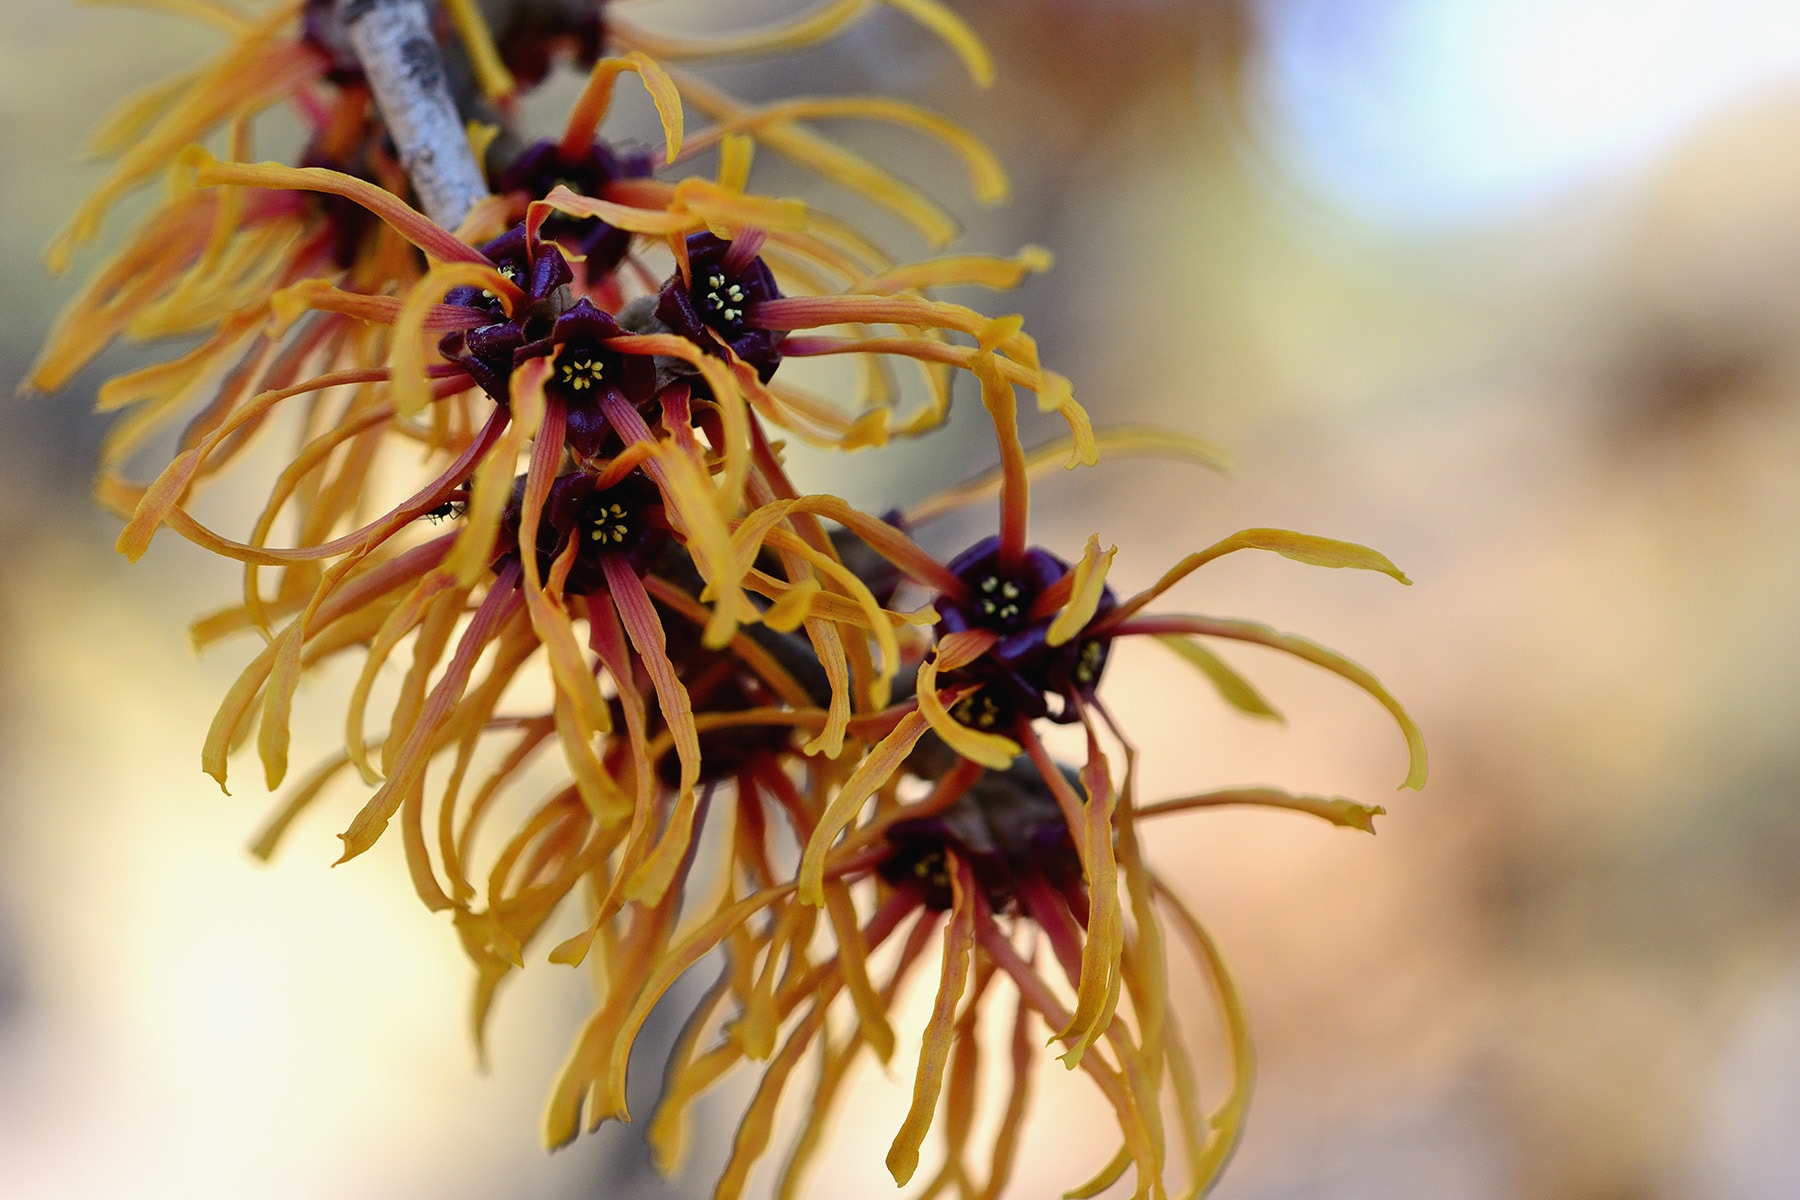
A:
[(393, 41)]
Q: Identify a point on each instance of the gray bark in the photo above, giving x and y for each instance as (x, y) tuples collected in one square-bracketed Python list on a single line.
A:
[(393, 41)]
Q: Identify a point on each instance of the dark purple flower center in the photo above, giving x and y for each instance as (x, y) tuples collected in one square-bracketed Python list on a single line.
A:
[(725, 303), (581, 370), (490, 352), (988, 710), (1000, 602), (1010, 831), (541, 168), (1022, 670), (533, 34), (726, 281), (625, 519)]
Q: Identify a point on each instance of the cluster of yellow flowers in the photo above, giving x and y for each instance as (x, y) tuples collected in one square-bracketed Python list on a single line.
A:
[(601, 551)]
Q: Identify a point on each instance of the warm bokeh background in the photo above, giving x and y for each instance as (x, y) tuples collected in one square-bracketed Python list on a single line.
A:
[(1507, 288)]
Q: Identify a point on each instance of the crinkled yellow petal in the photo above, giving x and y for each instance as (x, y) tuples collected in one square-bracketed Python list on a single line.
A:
[(870, 429), (695, 503), (411, 391), (959, 270), (589, 109), (600, 792), (499, 606), (317, 295), (608, 1035), (727, 212), (956, 34), (652, 221), (161, 499), (726, 383), (278, 702), (401, 621), (1105, 1178), (496, 81), (1233, 688), (736, 153), (473, 554), (853, 960), (757, 1125), (874, 771), (402, 218), (808, 28), (167, 241), (1336, 809), (1312, 652), (1012, 1121), (793, 607), (874, 617), (1055, 394), (1301, 547), (835, 164), (645, 630), (685, 1078), (828, 646), (482, 135), (260, 70), (1128, 441), (667, 968), (206, 12), (268, 839), (991, 750), (1225, 1125), (814, 25), (658, 873), (125, 123), (934, 1053), (1090, 583), (1097, 992), (160, 381), (755, 1030), (986, 174), (439, 623), (568, 667)]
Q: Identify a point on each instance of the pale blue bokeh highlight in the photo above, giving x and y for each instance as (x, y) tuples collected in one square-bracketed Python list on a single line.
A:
[(1456, 113)]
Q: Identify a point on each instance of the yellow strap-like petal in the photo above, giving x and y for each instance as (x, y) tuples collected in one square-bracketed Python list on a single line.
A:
[(991, 750), (1312, 652), (1233, 688), (405, 220), (589, 109), (736, 153), (411, 390), (964, 270), (496, 81), (874, 771), (1337, 809), (1301, 547), (928, 1083), (955, 33)]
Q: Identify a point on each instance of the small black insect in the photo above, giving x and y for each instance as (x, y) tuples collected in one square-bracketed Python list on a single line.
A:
[(448, 510)]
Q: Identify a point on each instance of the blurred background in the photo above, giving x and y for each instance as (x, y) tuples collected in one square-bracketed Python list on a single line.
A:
[(1509, 289)]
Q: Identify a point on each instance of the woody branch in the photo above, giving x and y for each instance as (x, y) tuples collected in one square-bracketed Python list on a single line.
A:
[(394, 42)]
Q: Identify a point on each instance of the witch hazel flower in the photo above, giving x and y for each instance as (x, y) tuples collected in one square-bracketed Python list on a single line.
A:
[(785, 735), (1012, 844)]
